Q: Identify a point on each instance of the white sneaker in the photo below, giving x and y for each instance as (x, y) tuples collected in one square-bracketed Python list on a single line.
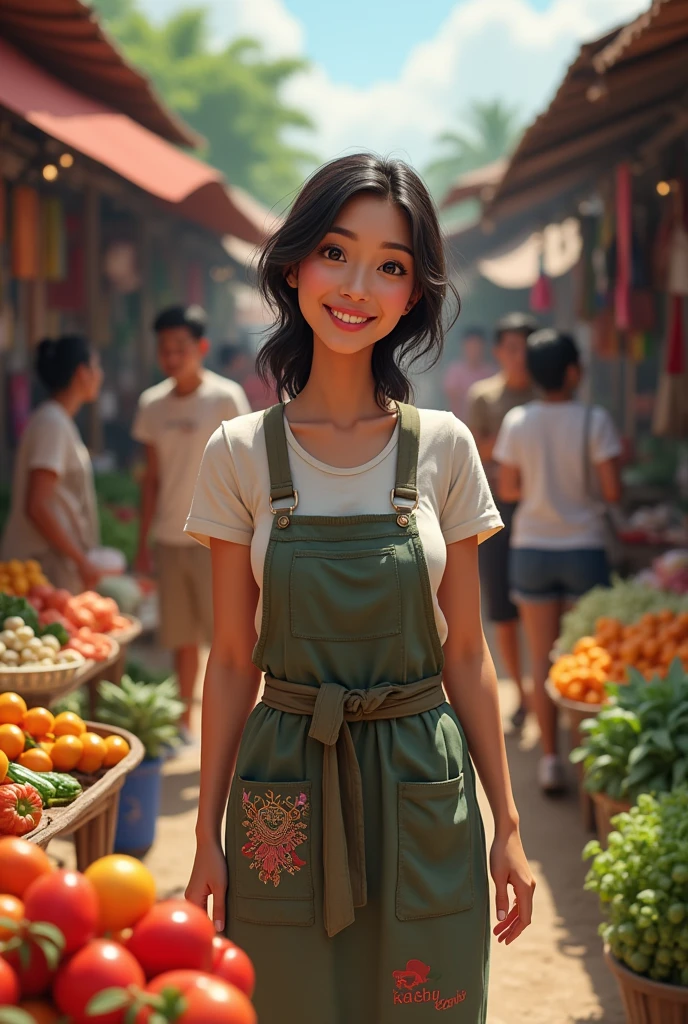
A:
[(551, 774)]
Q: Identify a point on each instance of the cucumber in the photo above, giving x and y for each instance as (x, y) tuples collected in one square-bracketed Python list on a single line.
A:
[(65, 785), (25, 776)]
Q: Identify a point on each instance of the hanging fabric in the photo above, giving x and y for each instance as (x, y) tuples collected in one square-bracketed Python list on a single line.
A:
[(624, 245), (25, 233), (54, 239), (671, 408), (541, 292)]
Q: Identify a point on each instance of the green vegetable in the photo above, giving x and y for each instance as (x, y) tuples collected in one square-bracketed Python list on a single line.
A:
[(150, 711), (117, 534), (653, 831), (56, 789), (20, 606)]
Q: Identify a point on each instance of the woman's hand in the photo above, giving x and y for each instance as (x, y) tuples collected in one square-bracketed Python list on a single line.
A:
[(209, 878), (90, 574), (508, 866)]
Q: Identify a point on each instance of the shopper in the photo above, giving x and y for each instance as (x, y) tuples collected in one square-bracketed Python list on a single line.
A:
[(547, 451), (344, 528), (53, 517), (174, 421), (461, 374), (488, 403)]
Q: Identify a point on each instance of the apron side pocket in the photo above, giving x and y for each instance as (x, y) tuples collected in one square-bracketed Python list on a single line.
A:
[(435, 873), (272, 877)]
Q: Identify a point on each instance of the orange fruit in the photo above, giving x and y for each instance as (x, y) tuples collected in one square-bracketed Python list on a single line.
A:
[(575, 690), (12, 908), (584, 644), (4, 765), (40, 1012), (125, 888), (665, 615), (94, 753), (68, 724), (47, 745), (592, 697), (36, 760), (12, 740), (116, 749), (38, 721), (66, 752), (12, 708), (21, 862)]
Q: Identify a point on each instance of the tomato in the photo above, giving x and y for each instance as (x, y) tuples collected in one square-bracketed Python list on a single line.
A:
[(40, 1012), (99, 965), (12, 708), (38, 721), (4, 765), (36, 760), (13, 909), (116, 748), (66, 752), (220, 944), (125, 888), (21, 809), (12, 740), (68, 724), (9, 985), (94, 751), (68, 900), (235, 967), (173, 934), (21, 863), (35, 978), (208, 1000)]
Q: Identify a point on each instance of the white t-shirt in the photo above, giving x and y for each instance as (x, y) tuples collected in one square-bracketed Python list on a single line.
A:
[(545, 441), (179, 427), (231, 498), (52, 441)]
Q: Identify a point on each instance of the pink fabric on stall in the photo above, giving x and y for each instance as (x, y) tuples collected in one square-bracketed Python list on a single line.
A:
[(622, 291)]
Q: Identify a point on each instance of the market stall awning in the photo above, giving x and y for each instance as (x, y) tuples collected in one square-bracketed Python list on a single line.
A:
[(623, 92), (478, 184), (195, 190), (64, 38)]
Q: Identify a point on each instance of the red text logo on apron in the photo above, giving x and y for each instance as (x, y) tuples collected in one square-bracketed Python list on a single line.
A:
[(415, 976)]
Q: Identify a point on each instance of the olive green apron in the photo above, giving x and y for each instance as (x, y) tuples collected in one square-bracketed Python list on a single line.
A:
[(355, 847)]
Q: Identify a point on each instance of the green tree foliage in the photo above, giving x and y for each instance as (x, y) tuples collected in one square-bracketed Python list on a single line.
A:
[(231, 96), (491, 130)]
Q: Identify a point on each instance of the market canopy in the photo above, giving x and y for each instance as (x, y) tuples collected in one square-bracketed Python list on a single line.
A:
[(195, 190), (64, 38), (625, 93)]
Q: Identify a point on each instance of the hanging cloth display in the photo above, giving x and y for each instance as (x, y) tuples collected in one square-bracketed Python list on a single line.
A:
[(671, 408), (541, 292), (624, 244), (54, 239), (25, 233)]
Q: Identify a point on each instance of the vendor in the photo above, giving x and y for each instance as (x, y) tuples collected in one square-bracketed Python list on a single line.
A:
[(53, 516)]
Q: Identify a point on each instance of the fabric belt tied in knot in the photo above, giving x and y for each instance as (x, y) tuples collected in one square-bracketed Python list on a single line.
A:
[(331, 706)]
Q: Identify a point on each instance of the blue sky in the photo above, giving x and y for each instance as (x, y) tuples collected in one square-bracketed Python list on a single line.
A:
[(391, 75)]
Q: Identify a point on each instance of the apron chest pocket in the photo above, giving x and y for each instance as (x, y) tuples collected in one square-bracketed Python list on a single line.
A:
[(273, 882), (435, 876), (339, 596)]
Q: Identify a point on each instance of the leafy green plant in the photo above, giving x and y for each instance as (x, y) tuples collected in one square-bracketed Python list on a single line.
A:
[(639, 744), (150, 711), (642, 883)]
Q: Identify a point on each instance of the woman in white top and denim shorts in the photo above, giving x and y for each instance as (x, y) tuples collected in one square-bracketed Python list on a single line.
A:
[(550, 452)]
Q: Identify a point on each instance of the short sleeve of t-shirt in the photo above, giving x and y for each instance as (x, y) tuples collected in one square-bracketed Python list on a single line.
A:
[(507, 448), (217, 509), (469, 509), (142, 428), (51, 445), (604, 440)]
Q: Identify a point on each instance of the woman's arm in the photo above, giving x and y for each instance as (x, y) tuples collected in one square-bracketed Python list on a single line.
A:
[(39, 509), (471, 684), (149, 500), (509, 483), (230, 692)]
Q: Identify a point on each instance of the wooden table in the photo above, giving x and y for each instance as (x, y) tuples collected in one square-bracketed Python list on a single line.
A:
[(92, 818)]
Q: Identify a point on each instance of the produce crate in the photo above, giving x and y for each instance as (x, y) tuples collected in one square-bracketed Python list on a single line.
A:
[(575, 712), (646, 1001), (92, 818)]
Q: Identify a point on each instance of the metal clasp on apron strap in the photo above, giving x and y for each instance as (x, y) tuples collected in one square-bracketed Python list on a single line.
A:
[(284, 514), (404, 512)]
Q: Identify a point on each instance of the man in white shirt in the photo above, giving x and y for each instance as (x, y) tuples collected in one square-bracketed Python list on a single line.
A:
[(174, 421)]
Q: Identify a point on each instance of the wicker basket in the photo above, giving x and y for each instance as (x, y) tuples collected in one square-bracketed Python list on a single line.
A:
[(646, 1001), (605, 810), (50, 679)]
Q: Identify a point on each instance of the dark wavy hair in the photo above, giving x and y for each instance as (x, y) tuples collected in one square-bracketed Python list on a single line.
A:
[(287, 355)]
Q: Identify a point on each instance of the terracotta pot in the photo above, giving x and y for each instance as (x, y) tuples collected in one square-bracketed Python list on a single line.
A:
[(646, 1001), (605, 809)]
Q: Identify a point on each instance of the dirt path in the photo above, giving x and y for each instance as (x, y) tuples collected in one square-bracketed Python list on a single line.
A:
[(554, 974)]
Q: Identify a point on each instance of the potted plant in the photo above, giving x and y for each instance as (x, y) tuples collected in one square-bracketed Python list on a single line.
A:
[(638, 744), (150, 711), (642, 882)]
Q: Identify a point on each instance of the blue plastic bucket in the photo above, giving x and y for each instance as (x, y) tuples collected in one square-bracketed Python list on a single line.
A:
[(139, 805)]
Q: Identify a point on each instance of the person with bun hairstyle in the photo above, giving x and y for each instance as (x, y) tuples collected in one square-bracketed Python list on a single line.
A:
[(343, 527), (53, 515)]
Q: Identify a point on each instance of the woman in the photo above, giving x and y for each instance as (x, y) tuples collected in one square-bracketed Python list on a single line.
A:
[(53, 515), (344, 529), (549, 452)]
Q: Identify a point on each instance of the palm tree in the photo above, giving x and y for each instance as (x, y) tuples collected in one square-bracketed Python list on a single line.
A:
[(491, 130)]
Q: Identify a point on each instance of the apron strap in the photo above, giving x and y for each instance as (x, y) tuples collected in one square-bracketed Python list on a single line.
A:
[(407, 456), (281, 485)]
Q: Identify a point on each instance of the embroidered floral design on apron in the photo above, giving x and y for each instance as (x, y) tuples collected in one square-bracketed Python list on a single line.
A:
[(275, 827)]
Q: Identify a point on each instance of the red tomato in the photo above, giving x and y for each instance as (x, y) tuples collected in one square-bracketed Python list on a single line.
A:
[(21, 809), (35, 978), (235, 967), (100, 964), (220, 944), (208, 1000), (9, 985), (173, 934), (67, 900)]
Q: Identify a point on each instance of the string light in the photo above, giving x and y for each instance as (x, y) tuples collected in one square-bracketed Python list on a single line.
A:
[(663, 188), (50, 172), (66, 160)]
